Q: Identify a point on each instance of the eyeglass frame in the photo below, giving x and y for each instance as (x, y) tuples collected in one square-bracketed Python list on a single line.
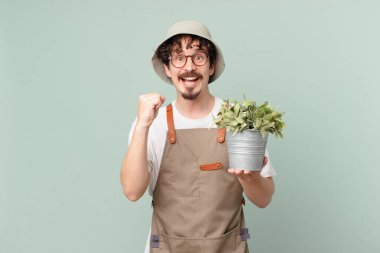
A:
[(192, 59)]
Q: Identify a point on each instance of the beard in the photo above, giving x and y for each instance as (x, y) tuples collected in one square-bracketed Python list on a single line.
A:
[(190, 95)]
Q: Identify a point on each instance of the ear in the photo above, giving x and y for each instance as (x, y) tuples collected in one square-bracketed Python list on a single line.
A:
[(212, 69), (167, 71)]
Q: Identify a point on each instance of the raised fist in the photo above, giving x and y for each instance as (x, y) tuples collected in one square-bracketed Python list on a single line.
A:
[(148, 108)]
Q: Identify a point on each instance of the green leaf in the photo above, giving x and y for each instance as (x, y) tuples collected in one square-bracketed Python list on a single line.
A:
[(237, 108), (234, 123), (237, 116), (240, 120)]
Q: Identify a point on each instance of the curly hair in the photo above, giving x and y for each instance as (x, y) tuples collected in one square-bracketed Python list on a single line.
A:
[(164, 51)]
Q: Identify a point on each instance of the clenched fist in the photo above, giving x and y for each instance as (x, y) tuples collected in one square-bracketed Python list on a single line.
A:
[(148, 108)]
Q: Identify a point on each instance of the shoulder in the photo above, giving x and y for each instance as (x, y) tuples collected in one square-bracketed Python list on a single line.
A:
[(218, 103), (218, 100), (217, 106)]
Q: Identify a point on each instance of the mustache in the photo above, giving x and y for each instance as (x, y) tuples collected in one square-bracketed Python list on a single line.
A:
[(190, 74)]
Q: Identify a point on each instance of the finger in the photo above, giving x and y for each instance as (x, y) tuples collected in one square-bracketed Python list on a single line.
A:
[(155, 102), (159, 100), (238, 171), (231, 171), (265, 161), (234, 171), (150, 96)]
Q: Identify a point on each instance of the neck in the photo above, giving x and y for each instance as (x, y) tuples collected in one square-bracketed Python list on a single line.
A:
[(197, 108)]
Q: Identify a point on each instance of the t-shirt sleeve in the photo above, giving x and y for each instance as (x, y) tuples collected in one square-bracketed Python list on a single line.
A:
[(150, 146), (268, 170)]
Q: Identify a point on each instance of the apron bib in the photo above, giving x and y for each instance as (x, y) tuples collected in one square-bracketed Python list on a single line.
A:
[(197, 204)]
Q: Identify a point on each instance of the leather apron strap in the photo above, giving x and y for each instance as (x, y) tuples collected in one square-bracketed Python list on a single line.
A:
[(170, 120)]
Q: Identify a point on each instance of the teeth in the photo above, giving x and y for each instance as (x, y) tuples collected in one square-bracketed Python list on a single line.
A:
[(190, 78)]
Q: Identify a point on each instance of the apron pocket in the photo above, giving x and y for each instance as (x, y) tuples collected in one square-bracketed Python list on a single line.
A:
[(181, 245), (185, 178), (230, 242)]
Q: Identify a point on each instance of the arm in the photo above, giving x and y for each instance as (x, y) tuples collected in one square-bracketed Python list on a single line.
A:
[(134, 174), (258, 189)]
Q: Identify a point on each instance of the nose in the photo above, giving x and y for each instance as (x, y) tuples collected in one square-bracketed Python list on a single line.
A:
[(189, 66)]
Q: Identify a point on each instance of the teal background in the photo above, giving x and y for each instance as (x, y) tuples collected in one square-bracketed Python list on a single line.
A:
[(70, 76)]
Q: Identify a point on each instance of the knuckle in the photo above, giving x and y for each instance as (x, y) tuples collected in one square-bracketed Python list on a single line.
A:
[(142, 97)]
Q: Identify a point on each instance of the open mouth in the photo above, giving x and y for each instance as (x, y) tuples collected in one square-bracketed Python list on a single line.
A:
[(189, 80)]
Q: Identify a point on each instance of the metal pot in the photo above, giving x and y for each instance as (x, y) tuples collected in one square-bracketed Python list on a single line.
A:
[(246, 149)]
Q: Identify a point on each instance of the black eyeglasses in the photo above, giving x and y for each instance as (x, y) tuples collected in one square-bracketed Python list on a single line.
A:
[(179, 60)]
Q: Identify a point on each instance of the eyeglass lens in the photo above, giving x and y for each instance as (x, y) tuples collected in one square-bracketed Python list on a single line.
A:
[(180, 60)]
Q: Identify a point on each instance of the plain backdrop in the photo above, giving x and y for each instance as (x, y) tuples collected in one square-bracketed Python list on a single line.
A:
[(70, 76)]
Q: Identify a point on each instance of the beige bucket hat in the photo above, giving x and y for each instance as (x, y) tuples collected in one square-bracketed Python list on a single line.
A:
[(194, 28)]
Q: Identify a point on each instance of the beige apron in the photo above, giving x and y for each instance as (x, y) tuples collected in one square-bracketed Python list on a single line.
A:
[(197, 204)]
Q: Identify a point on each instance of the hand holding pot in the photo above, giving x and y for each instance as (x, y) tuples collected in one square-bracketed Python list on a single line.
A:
[(258, 189), (247, 172)]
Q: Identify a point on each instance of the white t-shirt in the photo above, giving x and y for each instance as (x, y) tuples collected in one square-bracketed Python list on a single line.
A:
[(157, 139)]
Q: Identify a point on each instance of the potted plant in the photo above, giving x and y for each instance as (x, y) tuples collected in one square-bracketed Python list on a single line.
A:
[(247, 126)]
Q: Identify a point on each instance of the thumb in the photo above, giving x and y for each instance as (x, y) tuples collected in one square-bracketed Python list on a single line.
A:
[(162, 99)]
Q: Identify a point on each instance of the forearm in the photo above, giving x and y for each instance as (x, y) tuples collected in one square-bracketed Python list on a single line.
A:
[(134, 172), (258, 189)]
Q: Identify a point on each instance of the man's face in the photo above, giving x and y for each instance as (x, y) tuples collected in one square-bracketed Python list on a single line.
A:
[(189, 80)]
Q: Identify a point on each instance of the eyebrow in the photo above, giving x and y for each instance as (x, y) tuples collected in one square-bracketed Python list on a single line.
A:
[(179, 50)]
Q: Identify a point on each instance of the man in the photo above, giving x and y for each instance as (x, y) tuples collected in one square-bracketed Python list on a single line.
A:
[(178, 152)]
